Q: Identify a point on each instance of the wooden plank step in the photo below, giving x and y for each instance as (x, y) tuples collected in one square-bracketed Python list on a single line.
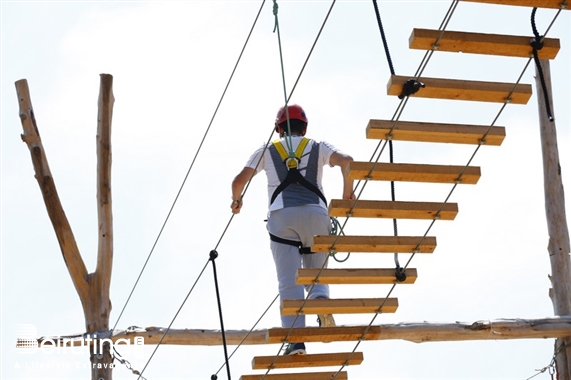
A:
[(306, 276), (314, 360), (340, 306), (435, 132), (481, 43), (555, 4), (458, 89), (298, 376), (323, 334), (381, 244), (382, 171), (392, 210)]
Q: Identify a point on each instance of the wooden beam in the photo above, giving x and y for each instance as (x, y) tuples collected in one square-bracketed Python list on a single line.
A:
[(382, 244), (298, 376), (435, 132), (392, 210), (555, 4), (559, 245), (315, 360), (339, 306), (456, 89), (306, 276), (480, 43), (324, 334), (418, 332), (381, 171)]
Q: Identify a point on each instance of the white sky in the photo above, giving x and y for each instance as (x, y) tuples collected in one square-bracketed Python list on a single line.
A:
[(170, 62)]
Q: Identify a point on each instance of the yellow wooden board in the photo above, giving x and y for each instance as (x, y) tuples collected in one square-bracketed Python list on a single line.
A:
[(324, 334), (306, 276), (457, 89), (315, 360), (298, 376), (555, 4), (339, 306), (480, 43), (381, 171), (381, 244), (392, 210), (435, 132)]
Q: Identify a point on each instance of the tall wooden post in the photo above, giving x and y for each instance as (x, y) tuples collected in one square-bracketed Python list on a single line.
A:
[(558, 246), (92, 288)]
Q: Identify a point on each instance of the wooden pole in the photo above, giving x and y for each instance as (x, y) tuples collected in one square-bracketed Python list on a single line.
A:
[(98, 319), (558, 246), (92, 288)]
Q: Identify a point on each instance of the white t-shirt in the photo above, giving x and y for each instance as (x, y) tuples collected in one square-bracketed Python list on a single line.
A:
[(315, 156)]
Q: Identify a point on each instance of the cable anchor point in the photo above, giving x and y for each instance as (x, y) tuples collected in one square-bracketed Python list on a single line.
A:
[(213, 254), (410, 87)]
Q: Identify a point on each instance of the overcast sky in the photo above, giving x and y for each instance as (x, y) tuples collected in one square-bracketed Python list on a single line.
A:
[(170, 61)]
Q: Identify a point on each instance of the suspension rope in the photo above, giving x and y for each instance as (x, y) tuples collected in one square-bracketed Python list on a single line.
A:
[(213, 256), (458, 181), (189, 169), (176, 199)]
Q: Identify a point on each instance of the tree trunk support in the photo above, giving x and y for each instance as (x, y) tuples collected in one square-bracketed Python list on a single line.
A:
[(558, 246), (92, 288)]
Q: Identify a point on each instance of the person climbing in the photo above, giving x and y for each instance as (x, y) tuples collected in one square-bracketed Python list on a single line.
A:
[(297, 207)]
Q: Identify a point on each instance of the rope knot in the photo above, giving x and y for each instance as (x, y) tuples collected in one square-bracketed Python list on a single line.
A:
[(400, 274), (537, 43), (410, 87)]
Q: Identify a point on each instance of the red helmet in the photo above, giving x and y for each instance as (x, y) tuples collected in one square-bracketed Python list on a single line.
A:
[(294, 111)]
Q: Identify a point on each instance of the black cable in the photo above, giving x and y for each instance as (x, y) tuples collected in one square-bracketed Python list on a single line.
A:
[(391, 151), (213, 256), (537, 44), (385, 44)]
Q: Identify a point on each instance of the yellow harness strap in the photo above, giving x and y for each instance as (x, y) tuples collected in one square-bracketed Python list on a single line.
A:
[(291, 162)]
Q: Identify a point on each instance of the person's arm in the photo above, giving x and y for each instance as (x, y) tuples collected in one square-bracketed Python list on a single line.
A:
[(343, 160), (238, 185)]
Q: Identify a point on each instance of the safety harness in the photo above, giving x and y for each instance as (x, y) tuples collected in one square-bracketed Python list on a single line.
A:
[(293, 176)]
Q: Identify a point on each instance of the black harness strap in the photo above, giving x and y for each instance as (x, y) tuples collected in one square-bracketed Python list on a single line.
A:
[(302, 250), (294, 176)]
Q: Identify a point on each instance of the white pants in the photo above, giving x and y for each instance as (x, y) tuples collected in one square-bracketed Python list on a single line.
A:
[(299, 223)]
